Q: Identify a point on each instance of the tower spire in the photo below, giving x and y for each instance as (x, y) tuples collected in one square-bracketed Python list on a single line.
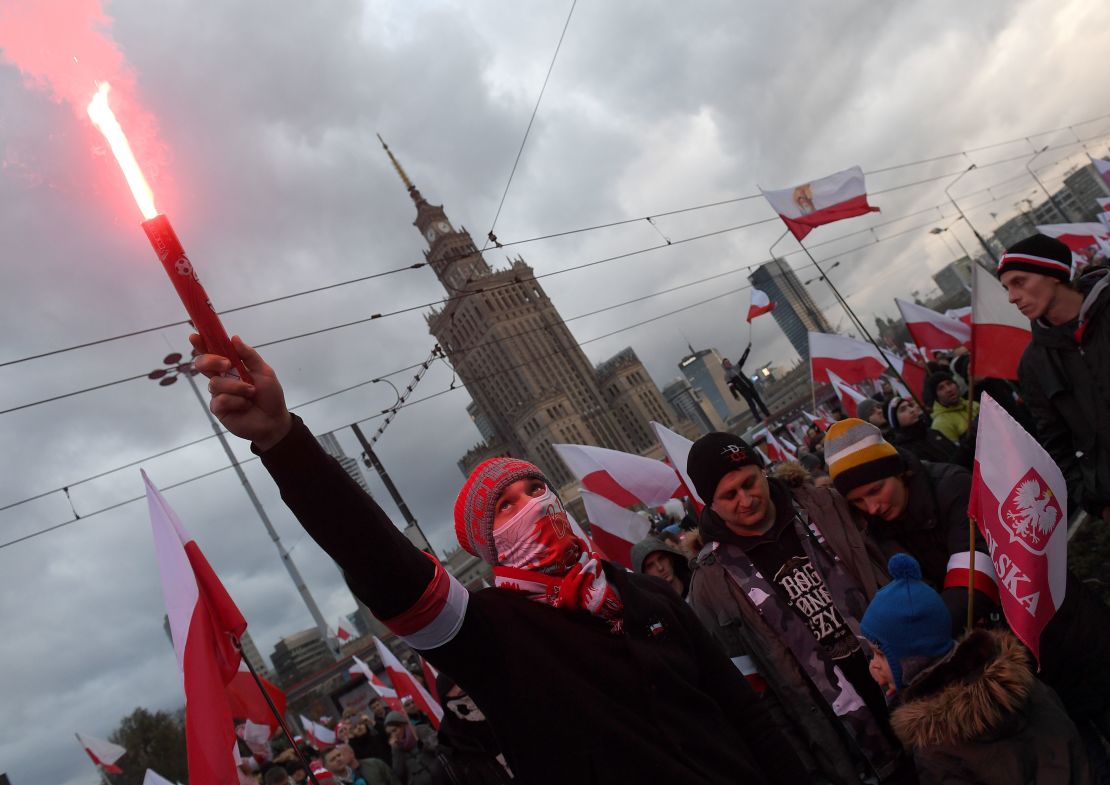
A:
[(397, 165)]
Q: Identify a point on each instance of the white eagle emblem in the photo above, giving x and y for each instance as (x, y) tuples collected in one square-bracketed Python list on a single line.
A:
[(1031, 512)]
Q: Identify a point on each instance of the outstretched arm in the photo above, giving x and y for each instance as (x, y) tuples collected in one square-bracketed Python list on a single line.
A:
[(405, 588)]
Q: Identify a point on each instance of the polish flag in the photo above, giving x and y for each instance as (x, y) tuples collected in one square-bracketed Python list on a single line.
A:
[(822, 423), (1080, 238), (319, 736), (931, 329), (622, 478), (677, 448), (154, 778), (387, 694), (999, 333), (614, 528), (760, 305), (430, 676), (345, 631), (858, 361), (203, 624), (1019, 501), (248, 703), (1102, 167), (777, 450), (833, 198), (963, 314), (257, 738), (405, 684), (103, 753), (1104, 204), (850, 398)]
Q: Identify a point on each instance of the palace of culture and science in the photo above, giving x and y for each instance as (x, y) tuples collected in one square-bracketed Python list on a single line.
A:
[(530, 382)]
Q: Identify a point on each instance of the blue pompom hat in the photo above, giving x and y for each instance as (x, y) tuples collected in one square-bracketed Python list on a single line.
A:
[(907, 618)]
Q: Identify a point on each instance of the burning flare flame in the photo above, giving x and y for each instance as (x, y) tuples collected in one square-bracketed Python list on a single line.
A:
[(105, 121)]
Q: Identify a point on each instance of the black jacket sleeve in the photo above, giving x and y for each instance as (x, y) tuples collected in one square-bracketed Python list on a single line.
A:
[(1052, 429), (383, 569), (753, 719)]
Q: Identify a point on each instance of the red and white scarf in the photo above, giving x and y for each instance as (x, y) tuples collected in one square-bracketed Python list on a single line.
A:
[(539, 554)]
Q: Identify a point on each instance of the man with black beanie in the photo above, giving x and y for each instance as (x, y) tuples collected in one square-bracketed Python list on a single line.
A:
[(782, 581), (1065, 370)]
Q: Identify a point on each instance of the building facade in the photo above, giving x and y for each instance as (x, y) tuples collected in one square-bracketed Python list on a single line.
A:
[(795, 311), (689, 403), (704, 369), (298, 656), (954, 279), (530, 382)]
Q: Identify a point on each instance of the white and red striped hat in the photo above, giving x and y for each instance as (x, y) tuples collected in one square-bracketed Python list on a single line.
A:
[(1038, 254)]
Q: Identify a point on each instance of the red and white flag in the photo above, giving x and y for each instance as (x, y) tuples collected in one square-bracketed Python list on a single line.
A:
[(103, 753), (248, 703), (622, 478), (760, 305), (387, 694), (430, 676), (1104, 203), (1102, 167), (850, 397), (856, 361), (405, 684), (931, 329), (777, 450), (1084, 239), (677, 448), (203, 620), (963, 314), (821, 422), (1019, 500), (999, 333), (833, 198), (319, 736), (345, 631), (614, 528), (154, 778), (257, 738)]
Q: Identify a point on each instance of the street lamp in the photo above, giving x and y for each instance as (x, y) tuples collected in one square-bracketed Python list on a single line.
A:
[(979, 237), (177, 367), (1051, 198)]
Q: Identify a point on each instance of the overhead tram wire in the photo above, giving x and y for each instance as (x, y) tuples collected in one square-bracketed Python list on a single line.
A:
[(568, 232), (572, 268), (432, 396), (491, 237), (595, 312)]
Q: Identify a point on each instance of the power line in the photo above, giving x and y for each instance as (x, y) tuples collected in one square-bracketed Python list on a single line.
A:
[(490, 236), (614, 306), (572, 268), (607, 225)]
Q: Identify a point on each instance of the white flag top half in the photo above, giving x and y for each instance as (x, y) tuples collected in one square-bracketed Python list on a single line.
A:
[(838, 196)]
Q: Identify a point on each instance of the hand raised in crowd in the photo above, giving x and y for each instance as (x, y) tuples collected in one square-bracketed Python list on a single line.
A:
[(250, 411)]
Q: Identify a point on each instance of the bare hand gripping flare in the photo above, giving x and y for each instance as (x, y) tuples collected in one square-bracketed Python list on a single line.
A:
[(163, 238)]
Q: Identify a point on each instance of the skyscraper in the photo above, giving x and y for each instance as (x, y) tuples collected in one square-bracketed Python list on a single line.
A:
[(350, 465), (795, 311), (705, 371), (531, 384)]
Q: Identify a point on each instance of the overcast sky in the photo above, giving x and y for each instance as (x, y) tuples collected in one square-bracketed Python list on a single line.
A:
[(275, 183)]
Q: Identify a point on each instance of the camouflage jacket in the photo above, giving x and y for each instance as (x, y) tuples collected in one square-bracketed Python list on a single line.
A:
[(741, 607)]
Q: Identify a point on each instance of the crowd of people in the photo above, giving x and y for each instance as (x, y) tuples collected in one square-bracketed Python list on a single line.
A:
[(814, 628)]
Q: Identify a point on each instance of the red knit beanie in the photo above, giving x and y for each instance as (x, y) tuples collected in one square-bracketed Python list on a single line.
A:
[(474, 507)]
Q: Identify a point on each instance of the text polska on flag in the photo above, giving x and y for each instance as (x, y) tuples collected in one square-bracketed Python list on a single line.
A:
[(1019, 501)]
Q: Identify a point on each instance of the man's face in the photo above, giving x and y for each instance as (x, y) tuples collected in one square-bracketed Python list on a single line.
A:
[(908, 413), (514, 497), (743, 500), (335, 762), (349, 758), (378, 708), (948, 393), (877, 418), (885, 499), (1032, 294), (396, 733), (661, 565)]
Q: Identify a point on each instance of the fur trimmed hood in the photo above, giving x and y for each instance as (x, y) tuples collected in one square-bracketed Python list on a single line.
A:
[(971, 694)]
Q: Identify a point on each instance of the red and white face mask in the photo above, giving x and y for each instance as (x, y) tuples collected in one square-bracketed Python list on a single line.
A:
[(538, 538)]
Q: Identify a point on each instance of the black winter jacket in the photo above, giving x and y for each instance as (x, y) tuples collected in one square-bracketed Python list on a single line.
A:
[(568, 700), (1066, 383)]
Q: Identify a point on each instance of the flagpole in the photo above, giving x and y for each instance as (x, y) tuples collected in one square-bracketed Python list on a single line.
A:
[(971, 521), (855, 319), (274, 711), (99, 769)]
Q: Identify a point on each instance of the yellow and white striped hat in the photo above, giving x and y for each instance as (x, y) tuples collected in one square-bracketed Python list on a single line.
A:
[(857, 454)]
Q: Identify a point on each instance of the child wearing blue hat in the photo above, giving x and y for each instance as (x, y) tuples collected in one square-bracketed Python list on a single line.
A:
[(971, 711)]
